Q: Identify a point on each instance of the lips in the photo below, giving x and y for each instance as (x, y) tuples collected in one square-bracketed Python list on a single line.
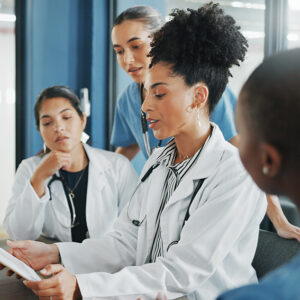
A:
[(152, 122), (133, 70), (61, 139)]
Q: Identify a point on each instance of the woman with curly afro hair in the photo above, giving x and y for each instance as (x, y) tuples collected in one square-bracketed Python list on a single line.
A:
[(191, 227), (131, 36)]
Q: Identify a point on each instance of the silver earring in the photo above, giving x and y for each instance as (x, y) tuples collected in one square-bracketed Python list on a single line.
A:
[(265, 170), (198, 117), (44, 148)]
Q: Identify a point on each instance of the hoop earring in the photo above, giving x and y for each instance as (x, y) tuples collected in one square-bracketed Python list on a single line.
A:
[(44, 148), (265, 170)]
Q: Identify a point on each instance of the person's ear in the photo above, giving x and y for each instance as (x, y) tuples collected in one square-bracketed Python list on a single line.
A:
[(271, 160), (200, 95), (84, 118)]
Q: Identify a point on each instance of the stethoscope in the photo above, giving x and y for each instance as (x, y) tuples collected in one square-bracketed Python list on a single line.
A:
[(145, 127), (187, 214), (69, 200)]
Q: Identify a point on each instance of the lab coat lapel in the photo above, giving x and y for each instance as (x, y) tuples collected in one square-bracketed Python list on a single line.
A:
[(96, 182), (156, 182), (205, 165)]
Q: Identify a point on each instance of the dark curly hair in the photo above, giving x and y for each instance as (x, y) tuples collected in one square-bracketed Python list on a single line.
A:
[(57, 91), (200, 45), (271, 100)]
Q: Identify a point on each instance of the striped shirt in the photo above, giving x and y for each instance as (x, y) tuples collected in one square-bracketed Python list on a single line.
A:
[(173, 178)]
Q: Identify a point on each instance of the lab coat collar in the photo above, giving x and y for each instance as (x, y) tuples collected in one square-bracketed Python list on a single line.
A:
[(206, 165), (99, 162), (209, 157)]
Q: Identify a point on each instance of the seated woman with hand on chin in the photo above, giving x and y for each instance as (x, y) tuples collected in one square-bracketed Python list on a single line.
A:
[(71, 191), (194, 217)]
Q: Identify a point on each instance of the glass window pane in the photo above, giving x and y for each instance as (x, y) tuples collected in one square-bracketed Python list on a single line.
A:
[(293, 36), (250, 16)]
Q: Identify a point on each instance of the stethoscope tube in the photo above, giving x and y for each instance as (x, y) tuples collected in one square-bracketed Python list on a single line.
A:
[(143, 179), (69, 200), (187, 214), (145, 133), (145, 126)]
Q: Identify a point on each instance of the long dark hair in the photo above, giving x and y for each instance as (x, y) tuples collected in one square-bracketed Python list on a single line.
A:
[(57, 91)]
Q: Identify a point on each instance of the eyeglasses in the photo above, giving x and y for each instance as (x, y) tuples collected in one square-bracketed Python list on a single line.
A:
[(69, 200)]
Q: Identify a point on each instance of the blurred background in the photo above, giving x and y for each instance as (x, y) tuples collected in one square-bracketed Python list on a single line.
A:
[(48, 42)]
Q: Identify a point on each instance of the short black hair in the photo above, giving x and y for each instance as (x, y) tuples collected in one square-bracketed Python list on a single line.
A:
[(57, 91), (149, 16), (200, 45), (271, 101)]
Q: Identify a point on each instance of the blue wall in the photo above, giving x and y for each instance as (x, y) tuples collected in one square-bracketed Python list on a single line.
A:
[(65, 44), (99, 79)]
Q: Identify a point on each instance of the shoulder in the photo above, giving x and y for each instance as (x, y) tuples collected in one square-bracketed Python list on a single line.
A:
[(129, 94), (282, 283), (30, 163), (229, 153), (284, 280), (104, 159), (28, 166), (249, 292)]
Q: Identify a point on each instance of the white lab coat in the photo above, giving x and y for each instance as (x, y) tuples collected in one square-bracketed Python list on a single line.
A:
[(111, 181), (216, 246)]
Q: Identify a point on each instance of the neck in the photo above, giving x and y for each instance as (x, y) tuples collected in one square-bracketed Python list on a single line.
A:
[(79, 159), (189, 143)]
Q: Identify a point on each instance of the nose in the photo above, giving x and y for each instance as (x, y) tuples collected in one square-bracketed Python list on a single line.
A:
[(128, 57), (146, 106), (58, 126)]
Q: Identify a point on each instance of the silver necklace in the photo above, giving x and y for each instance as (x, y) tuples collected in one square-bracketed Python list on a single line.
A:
[(71, 191)]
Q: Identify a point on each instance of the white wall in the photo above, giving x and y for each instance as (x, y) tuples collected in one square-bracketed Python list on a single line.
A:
[(7, 114)]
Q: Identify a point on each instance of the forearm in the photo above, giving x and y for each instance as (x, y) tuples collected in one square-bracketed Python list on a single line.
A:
[(38, 184), (274, 211), (25, 214), (54, 255), (130, 151)]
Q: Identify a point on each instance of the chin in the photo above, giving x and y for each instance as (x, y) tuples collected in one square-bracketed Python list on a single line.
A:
[(161, 136), (136, 79)]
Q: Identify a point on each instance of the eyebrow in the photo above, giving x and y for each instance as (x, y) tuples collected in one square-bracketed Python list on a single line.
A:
[(129, 41), (157, 84), (47, 116)]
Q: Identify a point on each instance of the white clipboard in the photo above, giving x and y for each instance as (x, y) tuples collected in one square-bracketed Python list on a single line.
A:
[(18, 266)]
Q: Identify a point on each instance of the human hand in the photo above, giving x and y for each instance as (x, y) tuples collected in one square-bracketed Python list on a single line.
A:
[(160, 296), (54, 161), (9, 272), (61, 286), (288, 231), (35, 254)]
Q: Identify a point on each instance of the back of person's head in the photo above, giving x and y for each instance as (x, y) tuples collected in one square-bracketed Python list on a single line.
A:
[(57, 91), (200, 45), (271, 98), (269, 125), (149, 16)]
